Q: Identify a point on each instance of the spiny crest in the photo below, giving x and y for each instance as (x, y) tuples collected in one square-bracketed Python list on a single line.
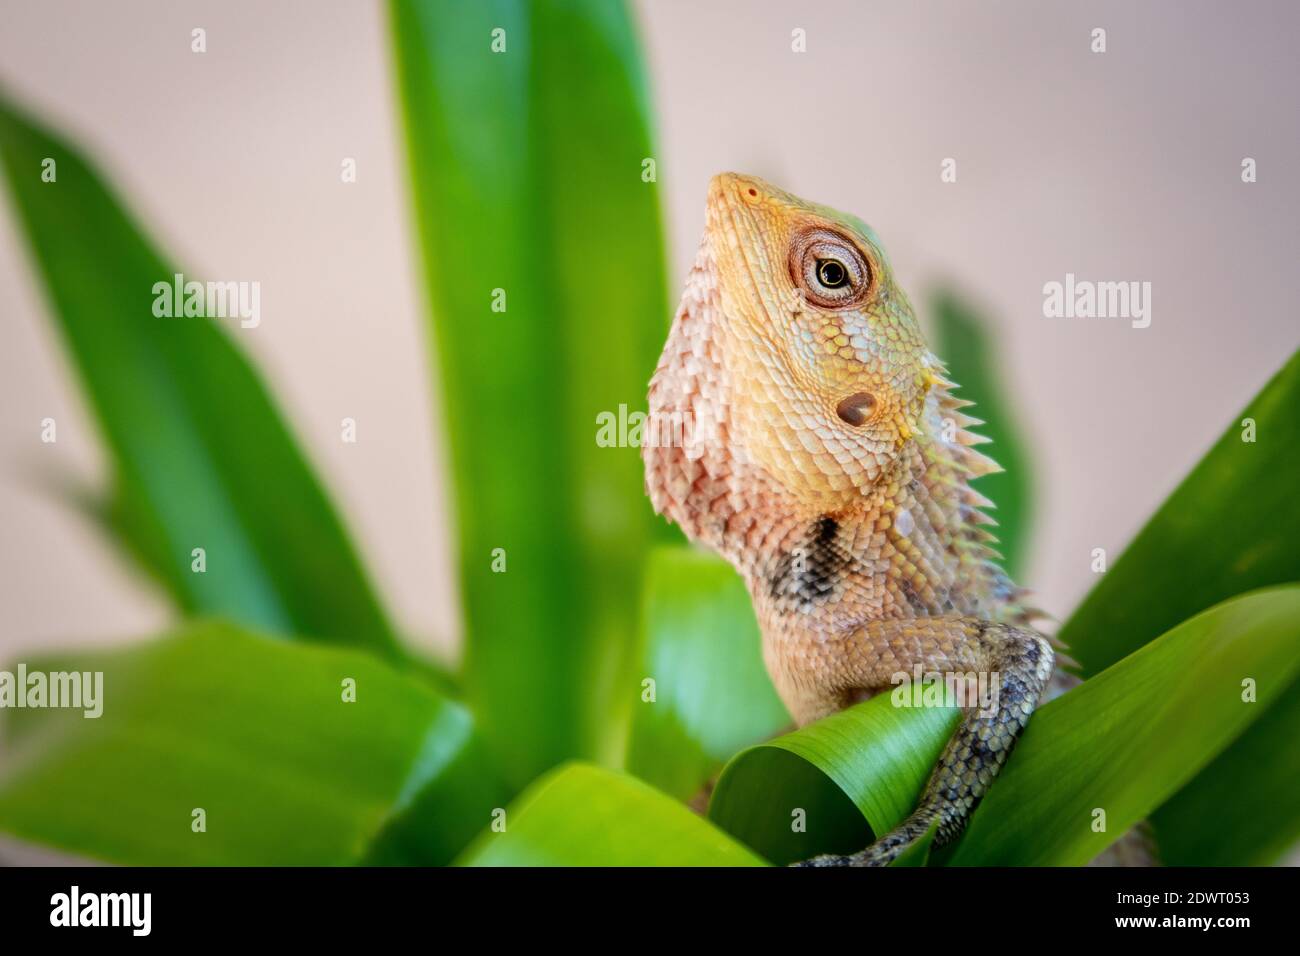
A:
[(958, 464), (954, 464)]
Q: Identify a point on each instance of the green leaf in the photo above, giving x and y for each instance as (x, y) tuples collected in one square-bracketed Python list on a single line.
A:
[(258, 735), (964, 341), (844, 778), (918, 854), (1124, 741), (202, 456), (702, 649), (1128, 739), (526, 171), (1244, 808), (1231, 526), (582, 815)]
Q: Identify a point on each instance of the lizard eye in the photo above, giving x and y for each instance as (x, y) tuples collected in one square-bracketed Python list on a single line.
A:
[(831, 273), (830, 269)]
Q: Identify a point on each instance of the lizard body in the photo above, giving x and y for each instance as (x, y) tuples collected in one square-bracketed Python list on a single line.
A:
[(825, 456)]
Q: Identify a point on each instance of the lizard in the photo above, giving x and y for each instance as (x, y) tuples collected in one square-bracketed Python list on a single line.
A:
[(803, 430)]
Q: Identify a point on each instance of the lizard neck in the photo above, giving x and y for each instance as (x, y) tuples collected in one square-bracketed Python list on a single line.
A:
[(912, 546), (910, 543)]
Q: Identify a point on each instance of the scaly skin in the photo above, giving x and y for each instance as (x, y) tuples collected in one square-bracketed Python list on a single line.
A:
[(800, 427)]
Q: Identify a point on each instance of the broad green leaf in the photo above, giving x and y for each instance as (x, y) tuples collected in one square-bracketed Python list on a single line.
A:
[(702, 649), (1231, 526), (202, 456), (582, 815), (258, 735), (965, 343), (1244, 808), (1124, 742), (1127, 740), (840, 780), (526, 171)]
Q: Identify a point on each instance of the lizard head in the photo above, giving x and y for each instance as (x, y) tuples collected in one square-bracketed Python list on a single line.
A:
[(826, 365)]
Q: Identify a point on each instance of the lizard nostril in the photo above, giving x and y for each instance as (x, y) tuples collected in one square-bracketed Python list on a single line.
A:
[(856, 408)]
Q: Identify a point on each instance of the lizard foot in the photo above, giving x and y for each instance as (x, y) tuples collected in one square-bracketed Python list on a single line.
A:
[(1022, 661), (826, 859), (881, 853)]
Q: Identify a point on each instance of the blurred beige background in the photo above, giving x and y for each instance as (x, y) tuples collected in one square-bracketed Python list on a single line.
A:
[(1120, 166)]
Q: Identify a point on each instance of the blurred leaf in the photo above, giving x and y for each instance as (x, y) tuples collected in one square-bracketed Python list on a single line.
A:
[(581, 815), (257, 734), (121, 524), (851, 774), (1130, 738), (967, 346), (201, 455), (526, 176), (111, 513), (702, 648), (1231, 526)]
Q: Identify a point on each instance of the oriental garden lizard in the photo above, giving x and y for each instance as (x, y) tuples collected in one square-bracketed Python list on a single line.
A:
[(825, 456)]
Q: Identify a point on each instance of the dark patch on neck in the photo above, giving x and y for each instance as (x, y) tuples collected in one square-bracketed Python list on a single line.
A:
[(809, 572), (825, 529)]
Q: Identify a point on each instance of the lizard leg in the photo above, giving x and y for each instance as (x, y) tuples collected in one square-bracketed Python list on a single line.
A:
[(1018, 659)]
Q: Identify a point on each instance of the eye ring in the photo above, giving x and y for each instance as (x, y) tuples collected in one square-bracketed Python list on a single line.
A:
[(830, 270)]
